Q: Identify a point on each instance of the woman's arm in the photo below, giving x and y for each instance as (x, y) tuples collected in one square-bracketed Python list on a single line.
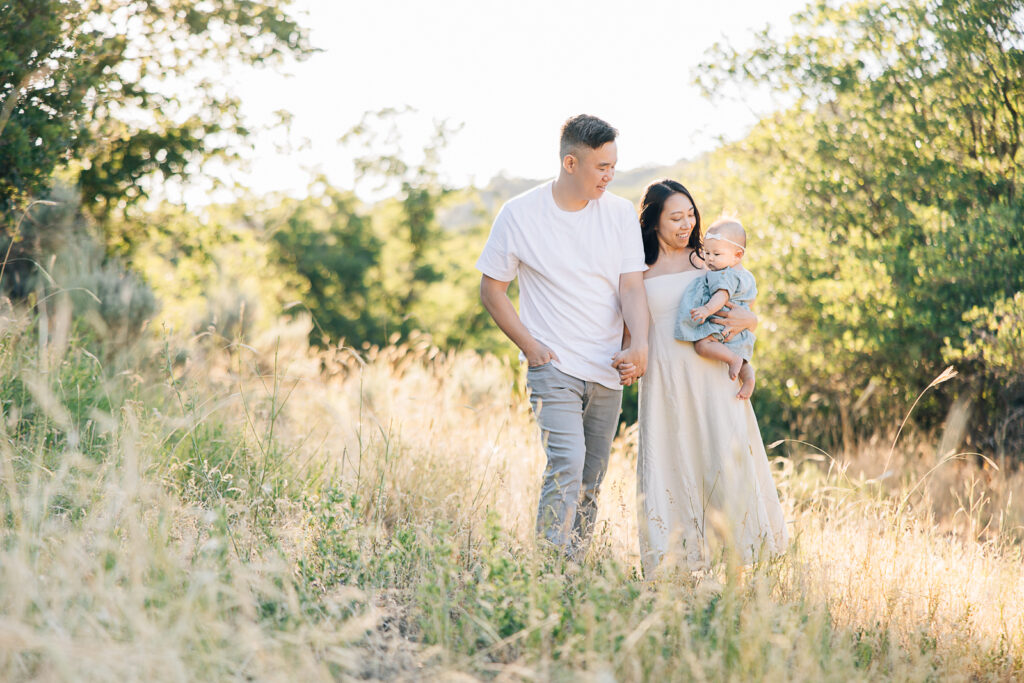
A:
[(735, 319)]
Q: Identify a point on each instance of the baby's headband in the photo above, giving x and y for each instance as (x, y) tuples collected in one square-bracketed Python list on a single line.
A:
[(720, 236)]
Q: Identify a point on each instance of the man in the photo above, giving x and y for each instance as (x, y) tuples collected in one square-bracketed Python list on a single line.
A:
[(579, 257)]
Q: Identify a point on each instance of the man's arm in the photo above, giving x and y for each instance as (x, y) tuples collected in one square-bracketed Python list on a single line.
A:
[(636, 316), (494, 296)]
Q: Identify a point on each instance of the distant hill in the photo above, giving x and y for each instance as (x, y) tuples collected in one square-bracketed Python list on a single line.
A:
[(471, 206)]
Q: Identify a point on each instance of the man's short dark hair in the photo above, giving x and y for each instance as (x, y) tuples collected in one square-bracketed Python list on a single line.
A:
[(584, 130)]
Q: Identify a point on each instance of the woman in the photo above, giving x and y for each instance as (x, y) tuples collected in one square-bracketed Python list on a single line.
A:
[(703, 480)]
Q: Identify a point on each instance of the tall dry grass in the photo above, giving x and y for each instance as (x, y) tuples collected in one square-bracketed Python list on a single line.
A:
[(264, 511)]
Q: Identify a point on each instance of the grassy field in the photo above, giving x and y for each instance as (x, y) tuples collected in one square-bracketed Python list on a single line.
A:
[(195, 509)]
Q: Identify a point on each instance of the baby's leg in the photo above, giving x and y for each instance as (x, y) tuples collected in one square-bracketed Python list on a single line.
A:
[(747, 379), (709, 347)]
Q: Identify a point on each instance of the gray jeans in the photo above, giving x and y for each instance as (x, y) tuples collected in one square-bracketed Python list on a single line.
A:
[(577, 421)]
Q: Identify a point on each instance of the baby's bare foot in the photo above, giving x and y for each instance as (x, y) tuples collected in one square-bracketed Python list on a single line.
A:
[(735, 365), (746, 375)]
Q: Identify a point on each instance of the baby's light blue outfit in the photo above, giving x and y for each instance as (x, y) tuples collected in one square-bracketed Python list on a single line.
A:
[(742, 290)]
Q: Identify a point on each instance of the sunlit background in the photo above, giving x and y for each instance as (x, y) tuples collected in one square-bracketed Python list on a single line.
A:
[(508, 73), (256, 425)]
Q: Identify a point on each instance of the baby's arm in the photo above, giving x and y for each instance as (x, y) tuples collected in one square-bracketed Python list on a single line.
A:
[(714, 304)]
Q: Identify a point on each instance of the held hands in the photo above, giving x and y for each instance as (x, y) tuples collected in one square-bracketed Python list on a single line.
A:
[(631, 363), (538, 354), (699, 314)]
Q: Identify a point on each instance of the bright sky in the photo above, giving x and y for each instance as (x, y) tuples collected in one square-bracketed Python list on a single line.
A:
[(510, 73)]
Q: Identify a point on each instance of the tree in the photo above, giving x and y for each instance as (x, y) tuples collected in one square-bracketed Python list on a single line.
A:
[(382, 162), (326, 241), (888, 190), (373, 274), (112, 92)]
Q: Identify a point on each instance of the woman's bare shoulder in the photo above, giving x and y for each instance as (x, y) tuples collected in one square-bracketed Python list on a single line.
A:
[(670, 264)]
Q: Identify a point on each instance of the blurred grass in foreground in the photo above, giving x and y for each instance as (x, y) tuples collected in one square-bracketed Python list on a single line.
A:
[(201, 509)]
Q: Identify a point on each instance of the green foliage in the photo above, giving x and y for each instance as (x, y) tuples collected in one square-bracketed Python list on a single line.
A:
[(105, 90), (885, 197), (92, 541), (60, 265), (991, 347), (162, 506), (237, 468), (487, 601), (56, 395), (328, 244), (994, 338), (36, 133), (373, 275), (410, 218), (213, 271)]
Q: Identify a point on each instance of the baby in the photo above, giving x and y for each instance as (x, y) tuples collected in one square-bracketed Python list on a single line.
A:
[(726, 282)]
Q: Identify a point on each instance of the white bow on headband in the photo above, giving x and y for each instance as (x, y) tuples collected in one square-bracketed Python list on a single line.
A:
[(720, 236)]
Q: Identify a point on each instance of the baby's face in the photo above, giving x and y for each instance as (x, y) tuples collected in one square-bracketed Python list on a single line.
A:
[(719, 254)]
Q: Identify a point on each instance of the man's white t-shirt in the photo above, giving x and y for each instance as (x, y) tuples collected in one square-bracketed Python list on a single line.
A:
[(568, 263)]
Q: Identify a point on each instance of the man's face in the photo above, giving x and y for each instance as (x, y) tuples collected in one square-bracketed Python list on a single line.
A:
[(595, 169)]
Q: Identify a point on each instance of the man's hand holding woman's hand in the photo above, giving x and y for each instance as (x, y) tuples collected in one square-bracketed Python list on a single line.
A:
[(631, 363), (538, 354)]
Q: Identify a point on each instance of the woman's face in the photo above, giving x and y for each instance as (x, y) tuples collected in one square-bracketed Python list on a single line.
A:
[(677, 222)]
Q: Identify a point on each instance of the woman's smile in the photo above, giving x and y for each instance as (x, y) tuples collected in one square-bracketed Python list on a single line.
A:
[(677, 221)]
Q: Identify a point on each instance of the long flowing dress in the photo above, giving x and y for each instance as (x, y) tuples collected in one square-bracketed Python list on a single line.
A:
[(703, 480)]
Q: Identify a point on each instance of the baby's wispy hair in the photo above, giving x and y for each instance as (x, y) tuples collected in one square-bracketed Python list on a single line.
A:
[(728, 226)]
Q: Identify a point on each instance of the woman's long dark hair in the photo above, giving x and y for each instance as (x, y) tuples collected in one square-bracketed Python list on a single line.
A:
[(651, 207)]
